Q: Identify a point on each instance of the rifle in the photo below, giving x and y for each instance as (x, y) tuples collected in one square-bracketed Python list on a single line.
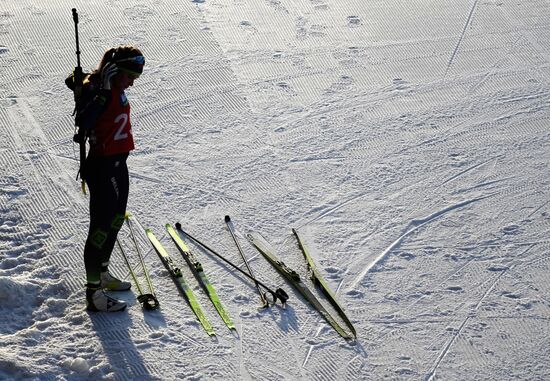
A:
[(80, 136)]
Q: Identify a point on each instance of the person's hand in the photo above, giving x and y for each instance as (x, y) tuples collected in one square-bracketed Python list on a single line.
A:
[(107, 73)]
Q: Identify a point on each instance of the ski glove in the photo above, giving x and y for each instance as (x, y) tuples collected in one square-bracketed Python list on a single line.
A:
[(107, 73)]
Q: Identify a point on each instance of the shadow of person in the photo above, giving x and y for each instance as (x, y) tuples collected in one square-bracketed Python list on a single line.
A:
[(115, 331)]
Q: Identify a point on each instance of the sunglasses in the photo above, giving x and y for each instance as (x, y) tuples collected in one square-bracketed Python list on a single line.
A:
[(137, 59), (130, 74)]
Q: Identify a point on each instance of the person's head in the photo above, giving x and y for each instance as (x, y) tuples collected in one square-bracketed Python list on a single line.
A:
[(129, 61)]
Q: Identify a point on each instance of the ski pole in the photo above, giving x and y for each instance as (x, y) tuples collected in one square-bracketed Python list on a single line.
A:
[(277, 294), (141, 260), (129, 266), (232, 231), (149, 301)]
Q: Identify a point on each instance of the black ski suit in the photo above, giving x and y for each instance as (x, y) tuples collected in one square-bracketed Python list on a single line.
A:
[(107, 179), (105, 172)]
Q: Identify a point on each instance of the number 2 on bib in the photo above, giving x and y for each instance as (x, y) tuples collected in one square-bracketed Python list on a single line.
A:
[(123, 120)]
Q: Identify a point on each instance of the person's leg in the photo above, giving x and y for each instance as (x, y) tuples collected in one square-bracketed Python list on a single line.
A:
[(101, 209), (103, 203), (120, 186)]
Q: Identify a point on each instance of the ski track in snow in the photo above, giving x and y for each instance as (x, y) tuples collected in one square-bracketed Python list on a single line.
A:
[(415, 163), (413, 226), (462, 34)]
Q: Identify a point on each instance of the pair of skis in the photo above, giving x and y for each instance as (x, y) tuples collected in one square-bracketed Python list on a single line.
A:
[(198, 272), (294, 278)]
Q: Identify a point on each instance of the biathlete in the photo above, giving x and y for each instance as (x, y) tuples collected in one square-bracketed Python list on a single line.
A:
[(105, 119)]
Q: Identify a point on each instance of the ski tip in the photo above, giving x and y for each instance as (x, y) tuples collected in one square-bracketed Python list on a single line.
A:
[(178, 226), (227, 219)]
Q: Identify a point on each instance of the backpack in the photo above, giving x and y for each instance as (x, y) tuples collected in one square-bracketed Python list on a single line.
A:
[(87, 92)]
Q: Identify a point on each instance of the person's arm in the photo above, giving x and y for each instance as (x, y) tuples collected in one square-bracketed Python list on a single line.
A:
[(89, 115)]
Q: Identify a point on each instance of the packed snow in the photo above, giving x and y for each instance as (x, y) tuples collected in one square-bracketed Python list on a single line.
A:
[(407, 141)]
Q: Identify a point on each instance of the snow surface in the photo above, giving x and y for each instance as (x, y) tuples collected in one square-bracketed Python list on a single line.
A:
[(408, 141)]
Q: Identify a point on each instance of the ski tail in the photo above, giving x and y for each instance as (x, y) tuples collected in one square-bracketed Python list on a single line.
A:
[(321, 283)]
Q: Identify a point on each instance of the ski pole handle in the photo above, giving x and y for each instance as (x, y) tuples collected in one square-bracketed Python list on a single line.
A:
[(277, 294), (281, 295), (149, 301)]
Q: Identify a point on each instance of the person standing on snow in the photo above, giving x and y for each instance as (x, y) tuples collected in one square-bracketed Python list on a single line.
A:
[(105, 118)]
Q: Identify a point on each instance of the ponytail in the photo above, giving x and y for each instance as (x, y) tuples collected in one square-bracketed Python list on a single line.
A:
[(107, 57), (115, 54)]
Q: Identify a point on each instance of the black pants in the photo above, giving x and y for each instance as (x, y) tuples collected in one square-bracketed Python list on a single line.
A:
[(108, 183)]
